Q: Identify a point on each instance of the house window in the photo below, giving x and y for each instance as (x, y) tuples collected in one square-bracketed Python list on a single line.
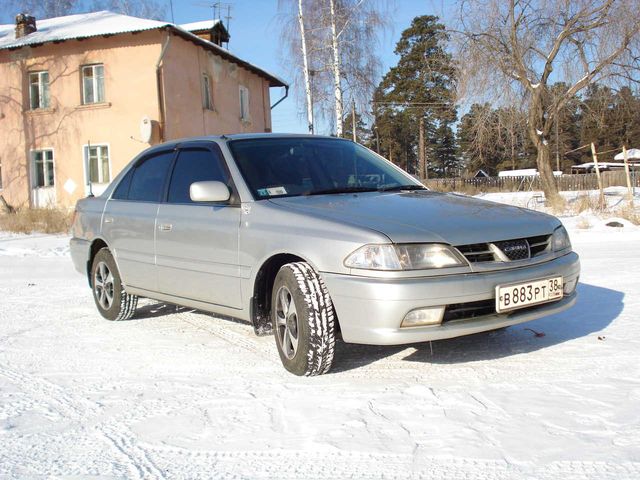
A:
[(207, 101), (93, 84), (96, 158), (43, 169), (39, 90), (244, 103)]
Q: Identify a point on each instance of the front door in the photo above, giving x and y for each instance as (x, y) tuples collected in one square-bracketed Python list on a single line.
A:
[(197, 243), (43, 188)]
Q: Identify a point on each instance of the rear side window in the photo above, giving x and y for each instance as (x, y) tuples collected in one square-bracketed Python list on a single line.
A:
[(122, 190), (194, 165), (147, 182)]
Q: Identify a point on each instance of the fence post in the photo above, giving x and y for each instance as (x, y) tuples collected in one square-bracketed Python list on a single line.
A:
[(595, 161)]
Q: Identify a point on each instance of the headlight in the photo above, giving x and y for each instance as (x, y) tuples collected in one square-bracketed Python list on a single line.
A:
[(561, 240), (408, 256)]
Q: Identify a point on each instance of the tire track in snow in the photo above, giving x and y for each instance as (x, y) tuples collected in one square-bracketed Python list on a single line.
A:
[(76, 408), (289, 465)]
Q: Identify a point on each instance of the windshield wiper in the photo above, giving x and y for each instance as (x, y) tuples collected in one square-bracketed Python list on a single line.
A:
[(395, 188), (342, 190)]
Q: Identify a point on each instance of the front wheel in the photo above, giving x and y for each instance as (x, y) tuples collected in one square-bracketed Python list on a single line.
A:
[(111, 299), (303, 320)]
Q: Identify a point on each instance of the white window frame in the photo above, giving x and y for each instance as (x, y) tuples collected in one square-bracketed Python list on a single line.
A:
[(45, 169), (244, 104), (101, 186), (207, 98), (44, 101), (95, 82)]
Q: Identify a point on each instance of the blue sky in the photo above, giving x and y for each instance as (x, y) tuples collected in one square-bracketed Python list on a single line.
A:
[(255, 37)]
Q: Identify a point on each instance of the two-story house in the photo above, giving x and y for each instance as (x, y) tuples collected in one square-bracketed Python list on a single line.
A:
[(81, 95)]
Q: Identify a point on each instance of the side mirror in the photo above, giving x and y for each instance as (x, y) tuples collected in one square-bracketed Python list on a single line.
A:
[(211, 191)]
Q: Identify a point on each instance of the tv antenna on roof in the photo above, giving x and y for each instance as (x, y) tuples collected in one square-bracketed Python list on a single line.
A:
[(222, 10)]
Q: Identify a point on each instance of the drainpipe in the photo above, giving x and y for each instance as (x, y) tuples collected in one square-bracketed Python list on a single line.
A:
[(286, 94), (160, 86)]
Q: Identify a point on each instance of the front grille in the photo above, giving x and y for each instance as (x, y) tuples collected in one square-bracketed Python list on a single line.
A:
[(507, 250), (514, 249)]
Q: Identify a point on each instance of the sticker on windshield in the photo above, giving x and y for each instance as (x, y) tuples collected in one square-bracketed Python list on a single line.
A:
[(263, 192), (277, 191)]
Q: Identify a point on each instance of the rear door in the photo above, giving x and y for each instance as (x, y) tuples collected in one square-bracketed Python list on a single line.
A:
[(197, 243), (129, 220)]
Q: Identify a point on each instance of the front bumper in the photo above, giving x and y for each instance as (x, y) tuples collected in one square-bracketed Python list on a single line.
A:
[(370, 310)]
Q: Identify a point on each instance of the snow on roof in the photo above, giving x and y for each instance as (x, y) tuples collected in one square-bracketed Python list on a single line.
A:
[(632, 154), (525, 172), (83, 25), (94, 24), (197, 26)]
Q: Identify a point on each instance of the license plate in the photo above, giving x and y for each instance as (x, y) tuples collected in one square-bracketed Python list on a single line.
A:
[(511, 297)]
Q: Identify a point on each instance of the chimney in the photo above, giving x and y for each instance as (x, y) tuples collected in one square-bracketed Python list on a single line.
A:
[(25, 24)]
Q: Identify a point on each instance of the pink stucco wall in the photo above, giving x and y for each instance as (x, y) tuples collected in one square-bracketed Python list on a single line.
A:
[(131, 92)]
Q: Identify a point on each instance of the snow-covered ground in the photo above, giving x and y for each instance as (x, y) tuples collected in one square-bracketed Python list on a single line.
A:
[(180, 394)]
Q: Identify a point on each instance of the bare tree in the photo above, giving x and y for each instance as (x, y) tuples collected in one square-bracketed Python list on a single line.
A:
[(44, 8), (340, 63), (305, 66), (154, 9), (519, 47)]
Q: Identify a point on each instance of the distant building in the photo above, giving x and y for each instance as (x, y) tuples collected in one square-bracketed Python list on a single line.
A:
[(525, 172), (81, 95)]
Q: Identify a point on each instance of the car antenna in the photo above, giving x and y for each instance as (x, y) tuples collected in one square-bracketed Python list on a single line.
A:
[(89, 168)]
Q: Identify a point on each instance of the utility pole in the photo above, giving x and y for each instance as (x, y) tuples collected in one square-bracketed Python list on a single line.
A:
[(353, 119)]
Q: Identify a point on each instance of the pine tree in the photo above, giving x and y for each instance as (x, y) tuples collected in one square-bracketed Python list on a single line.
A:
[(418, 90)]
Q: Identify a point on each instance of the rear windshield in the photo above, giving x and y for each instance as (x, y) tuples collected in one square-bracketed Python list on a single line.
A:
[(285, 167)]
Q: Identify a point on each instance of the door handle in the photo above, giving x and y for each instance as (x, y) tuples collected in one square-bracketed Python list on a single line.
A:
[(165, 227), (108, 220)]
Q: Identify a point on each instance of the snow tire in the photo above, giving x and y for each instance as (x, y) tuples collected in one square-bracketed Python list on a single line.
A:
[(315, 320), (123, 305)]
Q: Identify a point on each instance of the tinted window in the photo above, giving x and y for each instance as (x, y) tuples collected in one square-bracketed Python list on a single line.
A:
[(148, 178), (122, 190), (308, 166), (194, 165)]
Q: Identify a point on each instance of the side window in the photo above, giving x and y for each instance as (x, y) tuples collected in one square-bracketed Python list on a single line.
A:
[(194, 165), (122, 190), (147, 182)]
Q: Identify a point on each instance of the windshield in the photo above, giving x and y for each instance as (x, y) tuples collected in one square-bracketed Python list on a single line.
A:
[(285, 167)]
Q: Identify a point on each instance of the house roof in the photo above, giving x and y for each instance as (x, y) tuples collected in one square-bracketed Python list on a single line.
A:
[(198, 26), (105, 23)]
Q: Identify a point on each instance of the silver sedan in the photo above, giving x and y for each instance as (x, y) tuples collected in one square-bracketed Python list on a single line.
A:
[(310, 237)]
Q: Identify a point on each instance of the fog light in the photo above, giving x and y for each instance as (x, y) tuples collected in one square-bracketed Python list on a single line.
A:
[(570, 286), (423, 316)]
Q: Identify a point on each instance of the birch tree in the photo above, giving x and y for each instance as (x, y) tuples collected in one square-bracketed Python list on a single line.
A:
[(519, 47), (337, 61), (305, 67)]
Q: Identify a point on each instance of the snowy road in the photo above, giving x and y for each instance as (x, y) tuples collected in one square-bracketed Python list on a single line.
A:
[(180, 394)]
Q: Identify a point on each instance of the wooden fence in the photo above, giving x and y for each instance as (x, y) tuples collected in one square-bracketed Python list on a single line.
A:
[(586, 181)]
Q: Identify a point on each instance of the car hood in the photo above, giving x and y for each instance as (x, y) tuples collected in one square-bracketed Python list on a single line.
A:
[(426, 216)]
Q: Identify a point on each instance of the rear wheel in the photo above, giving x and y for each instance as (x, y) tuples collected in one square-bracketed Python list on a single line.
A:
[(112, 301), (303, 320)]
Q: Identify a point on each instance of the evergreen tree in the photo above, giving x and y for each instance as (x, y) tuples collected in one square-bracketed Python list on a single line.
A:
[(418, 90)]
